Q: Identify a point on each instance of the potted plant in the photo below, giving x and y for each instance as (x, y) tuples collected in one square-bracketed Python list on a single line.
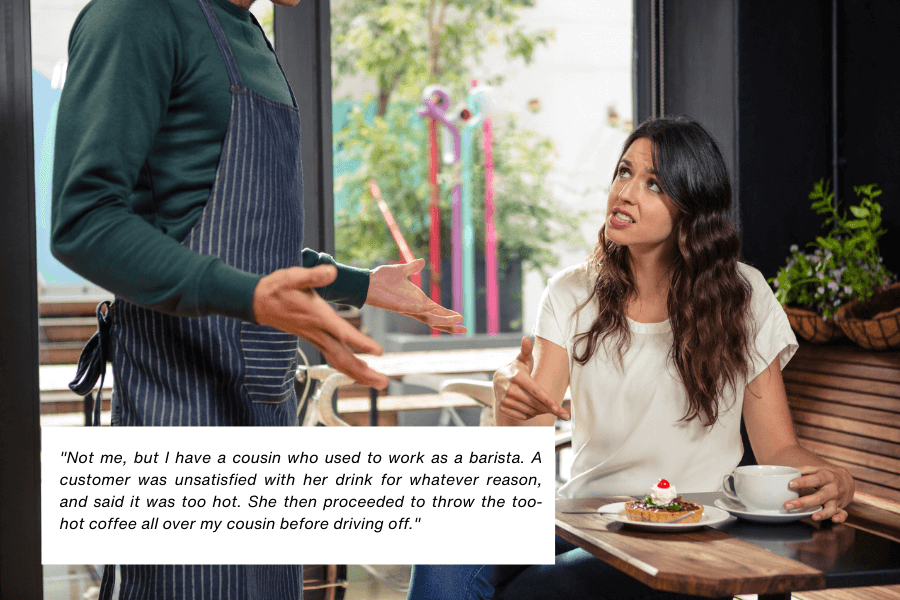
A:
[(841, 267)]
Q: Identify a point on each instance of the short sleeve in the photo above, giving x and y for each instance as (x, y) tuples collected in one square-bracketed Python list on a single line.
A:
[(546, 325), (771, 330), (559, 302)]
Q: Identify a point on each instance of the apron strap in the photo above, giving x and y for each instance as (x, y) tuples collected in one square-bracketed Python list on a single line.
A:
[(234, 75), (93, 359)]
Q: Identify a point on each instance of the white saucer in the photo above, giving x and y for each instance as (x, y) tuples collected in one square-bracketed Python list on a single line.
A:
[(711, 516), (742, 512)]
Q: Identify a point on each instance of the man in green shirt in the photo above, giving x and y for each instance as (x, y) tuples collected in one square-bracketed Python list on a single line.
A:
[(142, 119), (177, 187)]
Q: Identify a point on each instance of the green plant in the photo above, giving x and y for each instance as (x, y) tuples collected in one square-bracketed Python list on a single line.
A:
[(531, 226), (401, 46), (404, 45), (845, 264)]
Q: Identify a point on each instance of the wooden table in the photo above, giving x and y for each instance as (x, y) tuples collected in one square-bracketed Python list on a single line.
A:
[(435, 362), (734, 557), (441, 362)]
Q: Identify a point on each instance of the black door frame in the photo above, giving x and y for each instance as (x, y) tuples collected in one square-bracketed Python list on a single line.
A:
[(20, 544)]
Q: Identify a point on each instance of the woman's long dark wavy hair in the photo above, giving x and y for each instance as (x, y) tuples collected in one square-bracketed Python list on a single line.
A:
[(709, 300)]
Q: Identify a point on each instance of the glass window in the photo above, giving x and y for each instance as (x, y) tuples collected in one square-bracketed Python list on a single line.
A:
[(553, 78)]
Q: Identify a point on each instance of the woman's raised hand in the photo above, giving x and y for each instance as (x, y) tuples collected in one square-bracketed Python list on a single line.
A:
[(517, 396)]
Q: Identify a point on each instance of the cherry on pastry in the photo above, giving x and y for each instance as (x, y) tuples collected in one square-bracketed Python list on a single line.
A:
[(662, 484)]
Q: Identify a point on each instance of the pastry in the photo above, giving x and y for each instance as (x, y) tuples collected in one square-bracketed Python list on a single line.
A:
[(663, 504)]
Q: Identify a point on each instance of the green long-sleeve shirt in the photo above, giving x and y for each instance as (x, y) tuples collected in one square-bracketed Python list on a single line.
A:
[(142, 119)]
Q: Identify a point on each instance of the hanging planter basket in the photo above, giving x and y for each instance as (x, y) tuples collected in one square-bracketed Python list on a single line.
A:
[(811, 326), (874, 324)]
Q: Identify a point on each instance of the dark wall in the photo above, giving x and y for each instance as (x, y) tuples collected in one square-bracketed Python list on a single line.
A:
[(699, 48), (784, 69), (870, 119), (759, 76)]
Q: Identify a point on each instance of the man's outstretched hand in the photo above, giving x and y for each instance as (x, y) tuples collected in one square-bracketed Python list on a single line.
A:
[(287, 300), (391, 289)]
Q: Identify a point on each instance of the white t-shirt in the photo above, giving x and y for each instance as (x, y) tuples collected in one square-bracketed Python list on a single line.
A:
[(627, 431)]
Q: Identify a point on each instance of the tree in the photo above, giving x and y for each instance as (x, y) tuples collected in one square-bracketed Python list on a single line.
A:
[(404, 46), (407, 44)]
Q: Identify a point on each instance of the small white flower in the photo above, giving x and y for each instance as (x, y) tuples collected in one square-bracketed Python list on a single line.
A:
[(794, 248)]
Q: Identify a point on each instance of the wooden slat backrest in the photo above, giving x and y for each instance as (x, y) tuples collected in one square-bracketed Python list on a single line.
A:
[(845, 403)]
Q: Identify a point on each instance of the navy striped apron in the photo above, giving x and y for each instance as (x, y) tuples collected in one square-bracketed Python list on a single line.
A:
[(178, 371)]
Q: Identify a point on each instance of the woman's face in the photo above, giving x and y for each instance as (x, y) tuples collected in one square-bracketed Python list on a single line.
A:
[(638, 213)]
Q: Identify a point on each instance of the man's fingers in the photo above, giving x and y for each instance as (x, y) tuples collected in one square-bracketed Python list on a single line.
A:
[(411, 268), (346, 333), (441, 319), (435, 314), (318, 276), (338, 356), (454, 329)]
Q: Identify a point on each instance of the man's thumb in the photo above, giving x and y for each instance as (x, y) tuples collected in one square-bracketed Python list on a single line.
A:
[(318, 276)]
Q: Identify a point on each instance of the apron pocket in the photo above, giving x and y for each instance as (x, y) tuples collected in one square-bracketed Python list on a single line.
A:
[(270, 360)]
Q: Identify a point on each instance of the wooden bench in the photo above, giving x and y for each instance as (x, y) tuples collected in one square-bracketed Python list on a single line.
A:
[(845, 402), (884, 592)]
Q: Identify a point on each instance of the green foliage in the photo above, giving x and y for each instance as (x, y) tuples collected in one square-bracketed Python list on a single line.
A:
[(391, 149), (845, 264), (405, 45)]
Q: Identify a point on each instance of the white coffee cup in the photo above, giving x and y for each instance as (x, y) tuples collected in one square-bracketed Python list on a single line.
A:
[(761, 488)]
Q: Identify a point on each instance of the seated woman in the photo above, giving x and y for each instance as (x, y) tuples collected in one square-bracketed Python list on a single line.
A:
[(666, 340)]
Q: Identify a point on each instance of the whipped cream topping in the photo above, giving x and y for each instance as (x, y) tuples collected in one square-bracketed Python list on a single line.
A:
[(663, 496)]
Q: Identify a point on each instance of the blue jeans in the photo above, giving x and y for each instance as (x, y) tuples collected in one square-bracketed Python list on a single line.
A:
[(576, 574)]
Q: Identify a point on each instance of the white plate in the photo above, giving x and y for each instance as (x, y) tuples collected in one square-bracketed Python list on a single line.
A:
[(711, 516), (742, 512)]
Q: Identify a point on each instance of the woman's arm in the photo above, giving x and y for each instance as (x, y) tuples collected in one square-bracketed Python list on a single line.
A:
[(530, 390), (774, 442)]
